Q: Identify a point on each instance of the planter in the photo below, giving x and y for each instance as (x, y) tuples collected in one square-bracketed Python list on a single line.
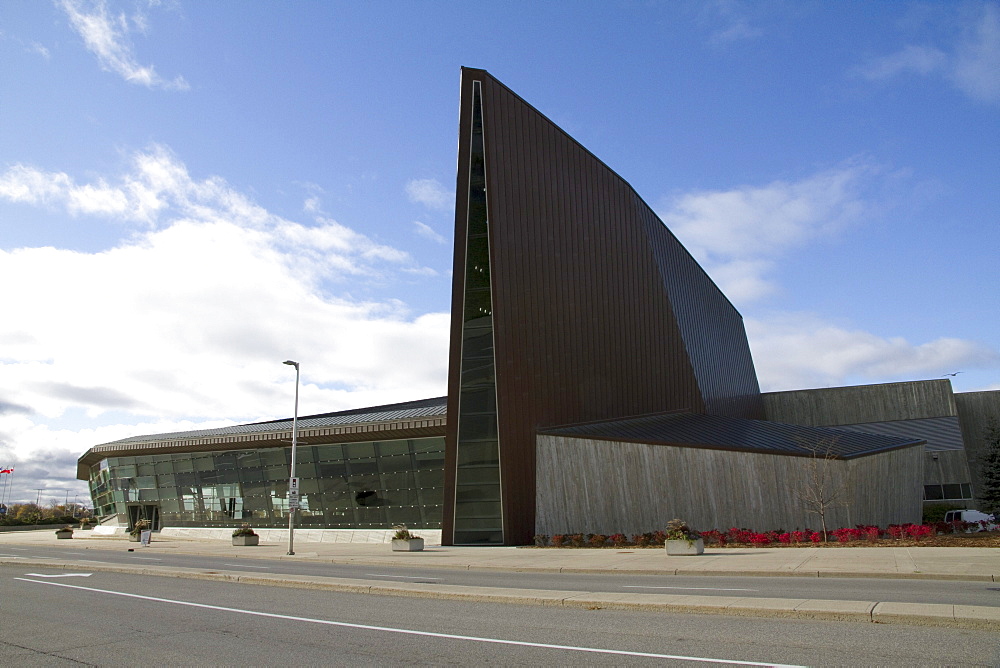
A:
[(64, 534), (407, 545), (685, 547), (134, 538), (246, 540)]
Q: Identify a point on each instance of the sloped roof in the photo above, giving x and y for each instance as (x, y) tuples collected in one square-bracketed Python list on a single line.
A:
[(386, 413), (410, 419), (726, 433)]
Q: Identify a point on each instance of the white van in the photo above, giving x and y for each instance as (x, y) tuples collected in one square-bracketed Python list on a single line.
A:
[(971, 516)]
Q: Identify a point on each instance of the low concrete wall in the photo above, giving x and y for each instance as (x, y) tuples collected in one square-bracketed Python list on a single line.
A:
[(430, 536), (32, 527)]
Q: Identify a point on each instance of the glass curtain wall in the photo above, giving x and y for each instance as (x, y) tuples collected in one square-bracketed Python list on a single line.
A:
[(478, 514), (370, 485)]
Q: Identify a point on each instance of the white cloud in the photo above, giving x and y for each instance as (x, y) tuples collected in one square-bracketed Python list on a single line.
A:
[(799, 350), (730, 21), (976, 69), (427, 232), (40, 50), (918, 59), (971, 64), (188, 320), (107, 37), (737, 233), (430, 193)]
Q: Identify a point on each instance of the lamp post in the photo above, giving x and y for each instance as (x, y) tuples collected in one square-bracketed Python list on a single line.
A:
[(292, 480)]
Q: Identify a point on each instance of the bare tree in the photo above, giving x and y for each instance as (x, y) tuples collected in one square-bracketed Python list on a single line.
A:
[(822, 487)]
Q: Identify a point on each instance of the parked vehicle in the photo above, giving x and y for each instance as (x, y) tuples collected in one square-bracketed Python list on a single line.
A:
[(985, 522)]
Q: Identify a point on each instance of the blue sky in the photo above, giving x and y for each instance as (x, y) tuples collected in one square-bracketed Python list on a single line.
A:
[(192, 192)]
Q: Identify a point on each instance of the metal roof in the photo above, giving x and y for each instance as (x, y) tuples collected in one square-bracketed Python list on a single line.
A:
[(941, 433), (411, 419), (725, 433), (387, 413)]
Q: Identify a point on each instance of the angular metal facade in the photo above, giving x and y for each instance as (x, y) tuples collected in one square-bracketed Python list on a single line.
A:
[(595, 311)]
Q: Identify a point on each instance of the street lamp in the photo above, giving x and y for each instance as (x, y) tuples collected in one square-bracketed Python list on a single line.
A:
[(293, 483)]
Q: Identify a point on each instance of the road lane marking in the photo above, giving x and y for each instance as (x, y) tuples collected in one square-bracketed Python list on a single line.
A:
[(405, 577), (689, 588), (429, 634), (60, 575), (245, 566), (148, 558)]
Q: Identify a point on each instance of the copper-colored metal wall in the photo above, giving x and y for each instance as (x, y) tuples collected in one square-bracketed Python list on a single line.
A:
[(588, 286)]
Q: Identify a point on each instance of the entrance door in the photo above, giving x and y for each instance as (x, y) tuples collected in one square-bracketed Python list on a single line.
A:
[(150, 512)]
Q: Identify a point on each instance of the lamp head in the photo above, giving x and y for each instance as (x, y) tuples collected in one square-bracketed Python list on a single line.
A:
[(291, 363)]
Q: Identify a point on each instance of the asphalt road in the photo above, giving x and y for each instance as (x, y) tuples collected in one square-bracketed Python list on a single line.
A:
[(866, 589), (51, 617)]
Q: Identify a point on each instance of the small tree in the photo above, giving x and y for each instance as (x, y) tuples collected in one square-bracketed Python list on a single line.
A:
[(989, 464), (820, 490)]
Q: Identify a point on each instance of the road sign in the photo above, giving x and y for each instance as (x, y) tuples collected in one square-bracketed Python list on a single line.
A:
[(293, 499)]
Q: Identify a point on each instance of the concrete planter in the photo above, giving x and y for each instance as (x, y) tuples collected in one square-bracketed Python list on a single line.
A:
[(64, 534), (246, 540), (685, 547), (411, 545), (134, 538)]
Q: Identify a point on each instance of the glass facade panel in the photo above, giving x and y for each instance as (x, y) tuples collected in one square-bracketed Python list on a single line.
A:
[(403, 486), (477, 474)]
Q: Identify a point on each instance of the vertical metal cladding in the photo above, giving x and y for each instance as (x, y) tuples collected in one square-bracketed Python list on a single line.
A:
[(598, 312)]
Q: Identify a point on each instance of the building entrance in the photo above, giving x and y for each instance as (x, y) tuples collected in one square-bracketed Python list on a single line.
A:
[(149, 512)]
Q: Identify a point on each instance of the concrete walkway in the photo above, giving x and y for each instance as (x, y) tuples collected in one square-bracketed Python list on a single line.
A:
[(939, 563)]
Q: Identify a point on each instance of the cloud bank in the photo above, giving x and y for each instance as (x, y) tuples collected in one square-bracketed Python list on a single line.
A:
[(184, 323)]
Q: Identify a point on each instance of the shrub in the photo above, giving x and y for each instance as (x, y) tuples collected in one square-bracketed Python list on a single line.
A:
[(558, 540), (918, 531), (541, 540), (598, 540), (618, 539), (897, 531), (872, 533), (714, 537), (642, 539)]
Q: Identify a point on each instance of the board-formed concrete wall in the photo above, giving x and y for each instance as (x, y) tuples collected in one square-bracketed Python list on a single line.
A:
[(589, 486), (976, 410), (861, 403)]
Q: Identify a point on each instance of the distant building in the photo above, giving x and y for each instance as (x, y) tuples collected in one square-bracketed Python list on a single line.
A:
[(599, 382)]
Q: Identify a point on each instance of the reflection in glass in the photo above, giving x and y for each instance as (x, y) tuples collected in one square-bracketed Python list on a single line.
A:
[(342, 486), (478, 514)]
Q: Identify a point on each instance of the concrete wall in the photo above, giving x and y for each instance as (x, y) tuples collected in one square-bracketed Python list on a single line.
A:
[(975, 410), (952, 424), (829, 407), (608, 487)]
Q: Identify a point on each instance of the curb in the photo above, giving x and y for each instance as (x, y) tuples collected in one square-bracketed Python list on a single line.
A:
[(924, 614)]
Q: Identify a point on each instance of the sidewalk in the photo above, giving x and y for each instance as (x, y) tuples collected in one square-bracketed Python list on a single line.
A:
[(939, 563)]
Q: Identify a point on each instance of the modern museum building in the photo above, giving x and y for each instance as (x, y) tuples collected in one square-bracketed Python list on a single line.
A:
[(599, 382)]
